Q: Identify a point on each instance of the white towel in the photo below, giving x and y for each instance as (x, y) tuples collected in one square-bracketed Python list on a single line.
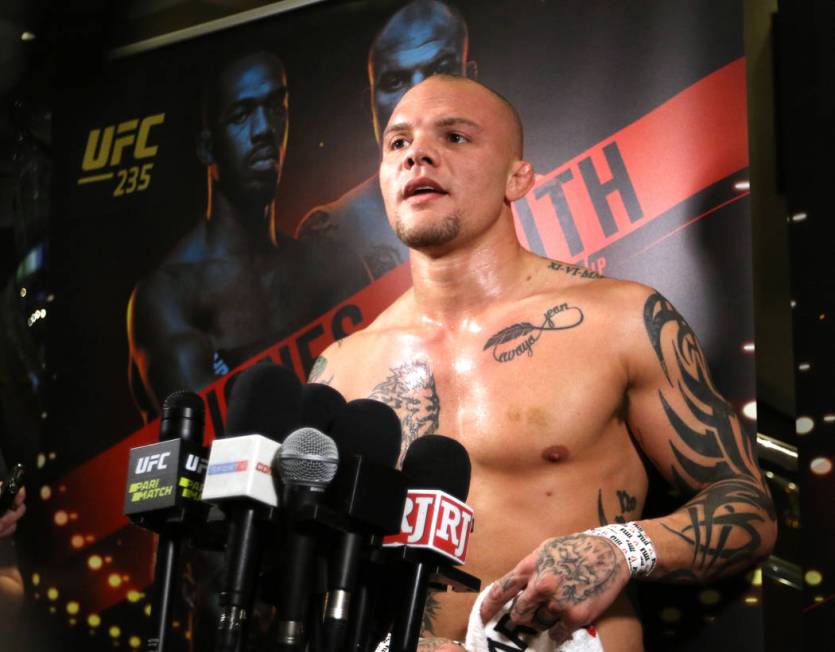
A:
[(485, 637)]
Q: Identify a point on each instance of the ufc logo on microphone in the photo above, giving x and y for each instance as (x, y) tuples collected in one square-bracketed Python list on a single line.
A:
[(433, 519), (149, 462)]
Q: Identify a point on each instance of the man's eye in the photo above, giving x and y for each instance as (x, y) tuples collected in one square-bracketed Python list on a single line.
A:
[(238, 117), (397, 143), (391, 82), (456, 138), (445, 65)]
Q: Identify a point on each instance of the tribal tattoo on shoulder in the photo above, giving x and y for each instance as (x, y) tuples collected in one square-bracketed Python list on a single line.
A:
[(710, 447), (519, 339), (410, 391)]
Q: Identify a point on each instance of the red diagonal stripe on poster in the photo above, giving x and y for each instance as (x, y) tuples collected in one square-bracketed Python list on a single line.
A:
[(96, 506), (687, 144)]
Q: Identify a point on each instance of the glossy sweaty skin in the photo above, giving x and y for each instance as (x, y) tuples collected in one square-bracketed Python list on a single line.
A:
[(232, 286), (552, 377), (423, 38)]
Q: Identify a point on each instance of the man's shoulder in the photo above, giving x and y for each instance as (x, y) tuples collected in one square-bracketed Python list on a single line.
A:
[(174, 279), (392, 321), (606, 292), (354, 206)]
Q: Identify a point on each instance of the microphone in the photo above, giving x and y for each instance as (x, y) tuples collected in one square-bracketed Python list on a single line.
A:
[(264, 405), (321, 405), (163, 495), (372, 493), (435, 528), (306, 464)]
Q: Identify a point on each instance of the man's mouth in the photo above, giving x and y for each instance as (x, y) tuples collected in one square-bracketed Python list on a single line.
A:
[(423, 187), (263, 159)]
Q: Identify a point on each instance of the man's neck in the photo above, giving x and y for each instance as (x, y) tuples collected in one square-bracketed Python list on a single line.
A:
[(238, 227), (452, 288)]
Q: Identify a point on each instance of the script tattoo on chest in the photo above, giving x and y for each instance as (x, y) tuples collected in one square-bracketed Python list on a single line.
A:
[(711, 450), (409, 390), (519, 339)]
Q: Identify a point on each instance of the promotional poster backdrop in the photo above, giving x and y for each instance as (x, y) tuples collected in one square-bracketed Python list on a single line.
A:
[(635, 120)]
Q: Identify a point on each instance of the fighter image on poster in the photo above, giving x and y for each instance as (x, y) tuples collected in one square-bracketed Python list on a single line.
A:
[(234, 284), (424, 38)]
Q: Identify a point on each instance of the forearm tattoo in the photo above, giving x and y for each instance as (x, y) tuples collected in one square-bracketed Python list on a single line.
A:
[(410, 391), (710, 448), (430, 611), (519, 339)]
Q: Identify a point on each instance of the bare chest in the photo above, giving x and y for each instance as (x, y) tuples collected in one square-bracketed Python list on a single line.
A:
[(241, 303), (519, 395)]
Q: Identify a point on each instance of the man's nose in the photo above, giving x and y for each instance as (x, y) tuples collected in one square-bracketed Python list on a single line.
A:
[(261, 124), (420, 153)]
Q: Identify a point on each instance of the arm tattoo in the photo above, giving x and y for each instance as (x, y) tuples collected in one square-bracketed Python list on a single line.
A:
[(584, 565), (318, 369), (514, 340), (573, 270), (710, 448), (409, 390), (430, 611)]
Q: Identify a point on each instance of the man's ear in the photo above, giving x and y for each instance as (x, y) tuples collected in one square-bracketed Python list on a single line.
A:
[(472, 70), (203, 146), (520, 181)]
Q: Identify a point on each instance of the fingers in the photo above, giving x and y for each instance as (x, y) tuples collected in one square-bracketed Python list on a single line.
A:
[(21, 496), (506, 589)]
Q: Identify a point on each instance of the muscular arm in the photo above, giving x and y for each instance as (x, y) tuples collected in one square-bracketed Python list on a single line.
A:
[(168, 351), (695, 439), (693, 436)]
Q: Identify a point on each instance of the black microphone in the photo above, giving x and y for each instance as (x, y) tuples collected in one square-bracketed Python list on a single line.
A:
[(368, 435), (435, 463), (265, 405), (321, 405), (163, 495), (305, 464)]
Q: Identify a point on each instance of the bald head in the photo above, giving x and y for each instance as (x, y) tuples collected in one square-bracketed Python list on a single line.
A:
[(424, 38), (507, 113)]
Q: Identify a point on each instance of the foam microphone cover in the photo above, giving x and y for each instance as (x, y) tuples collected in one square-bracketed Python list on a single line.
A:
[(438, 462), (183, 417), (321, 405), (369, 428), (265, 400)]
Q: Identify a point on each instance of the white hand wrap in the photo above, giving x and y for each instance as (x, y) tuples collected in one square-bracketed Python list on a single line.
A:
[(633, 542)]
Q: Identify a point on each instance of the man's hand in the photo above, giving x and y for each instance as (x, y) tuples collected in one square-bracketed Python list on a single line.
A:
[(565, 584), (8, 521)]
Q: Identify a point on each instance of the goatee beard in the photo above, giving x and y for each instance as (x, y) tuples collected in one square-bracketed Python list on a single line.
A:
[(431, 235)]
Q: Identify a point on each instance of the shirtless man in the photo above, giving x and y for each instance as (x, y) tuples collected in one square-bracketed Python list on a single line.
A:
[(556, 380), (424, 38), (233, 286)]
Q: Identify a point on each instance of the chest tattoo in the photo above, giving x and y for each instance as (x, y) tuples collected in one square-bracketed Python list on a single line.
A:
[(519, 339), (409, 389)]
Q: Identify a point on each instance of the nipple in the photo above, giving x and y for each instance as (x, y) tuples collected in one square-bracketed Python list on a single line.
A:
[(555, 454)]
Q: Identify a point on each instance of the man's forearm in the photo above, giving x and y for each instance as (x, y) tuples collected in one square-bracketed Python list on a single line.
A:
[(724, 528)]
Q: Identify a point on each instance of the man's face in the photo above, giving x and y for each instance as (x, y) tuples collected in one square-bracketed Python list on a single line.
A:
[(249, 127), (407, 53), (447, 160)]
